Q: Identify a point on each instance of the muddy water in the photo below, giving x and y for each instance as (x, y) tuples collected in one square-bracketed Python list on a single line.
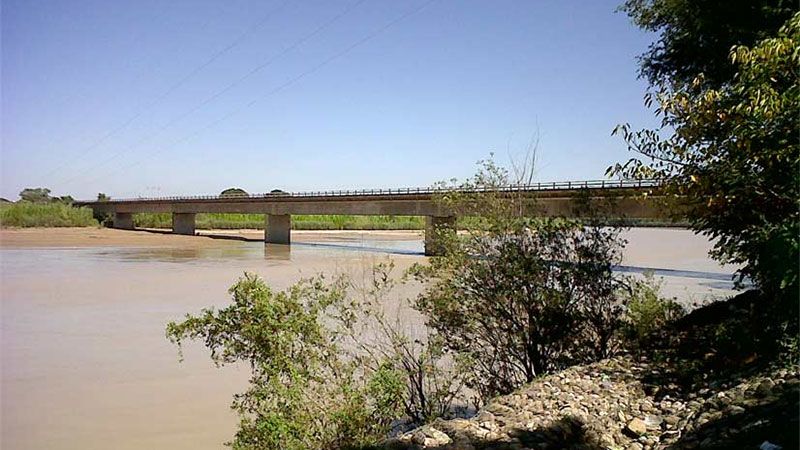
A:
[(85, 364)]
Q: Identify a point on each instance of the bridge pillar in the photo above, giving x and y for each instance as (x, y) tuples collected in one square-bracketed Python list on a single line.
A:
[(123, 221), (183, 223), (437, 228), (278, 229)]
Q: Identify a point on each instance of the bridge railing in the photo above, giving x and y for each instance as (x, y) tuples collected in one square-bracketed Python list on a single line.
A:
[(533, 187)]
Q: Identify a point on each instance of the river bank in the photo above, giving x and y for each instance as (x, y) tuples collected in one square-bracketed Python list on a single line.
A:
[(687, 388), (153, 237)]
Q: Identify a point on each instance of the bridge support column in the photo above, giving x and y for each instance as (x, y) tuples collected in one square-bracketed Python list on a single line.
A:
[(278, 229), (183, 223), (437, 228), (123, 221)]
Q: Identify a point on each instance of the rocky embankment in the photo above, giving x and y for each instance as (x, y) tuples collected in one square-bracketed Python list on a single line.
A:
[(608, 405), (685, 397)]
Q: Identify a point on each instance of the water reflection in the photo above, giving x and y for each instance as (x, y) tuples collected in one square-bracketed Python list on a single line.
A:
[(387, 247), (277, 252), (259, 251), (232, 251), (177, 254)]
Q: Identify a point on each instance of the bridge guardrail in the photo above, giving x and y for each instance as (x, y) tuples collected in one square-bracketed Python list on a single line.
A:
[(556, 185)]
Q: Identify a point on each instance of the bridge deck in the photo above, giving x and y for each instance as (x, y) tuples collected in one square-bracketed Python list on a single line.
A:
[(608, 198), (541, 189)]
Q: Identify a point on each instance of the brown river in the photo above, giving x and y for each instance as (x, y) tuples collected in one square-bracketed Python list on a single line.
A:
[(84, 361)]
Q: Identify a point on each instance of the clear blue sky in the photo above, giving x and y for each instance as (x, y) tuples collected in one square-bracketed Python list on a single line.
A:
[(154, 97)]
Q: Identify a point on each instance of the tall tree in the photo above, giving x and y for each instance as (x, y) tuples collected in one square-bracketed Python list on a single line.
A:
[(35, 195), (233, 192), (734, 156), (696, 36)]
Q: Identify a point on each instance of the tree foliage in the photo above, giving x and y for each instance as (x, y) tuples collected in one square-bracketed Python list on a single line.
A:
[(647, 311), (733, 157), (42, 195), (65, 199), (306, 391), (515, 297), (329, 368), (433, 385), (233, 192), (695, 36), (35, 195)]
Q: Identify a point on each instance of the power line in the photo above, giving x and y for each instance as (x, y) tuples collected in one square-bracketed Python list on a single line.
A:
[(278, 88), (225, 89), (172, 88)]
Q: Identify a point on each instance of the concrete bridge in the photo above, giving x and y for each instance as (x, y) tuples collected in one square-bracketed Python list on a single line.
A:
[(616, 199)]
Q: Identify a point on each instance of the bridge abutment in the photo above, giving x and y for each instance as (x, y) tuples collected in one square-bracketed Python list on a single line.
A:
[(183, 223), (278, 229), (123, 221), (436, 230)]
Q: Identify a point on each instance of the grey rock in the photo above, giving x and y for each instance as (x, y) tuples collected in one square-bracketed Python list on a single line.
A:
[(653, 422), (765, 388), (734, 409), (611, 404), (636, 427)]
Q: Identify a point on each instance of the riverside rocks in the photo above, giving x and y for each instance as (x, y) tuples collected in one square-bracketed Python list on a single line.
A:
[(636, 427), (611, 405)]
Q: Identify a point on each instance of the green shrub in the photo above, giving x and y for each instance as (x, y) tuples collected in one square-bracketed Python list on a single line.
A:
[(329, 369), (515, 297), (152, 220), (432, 382), (55, 214), (350, 222), (536, 300), (647, 312), (306, 391)]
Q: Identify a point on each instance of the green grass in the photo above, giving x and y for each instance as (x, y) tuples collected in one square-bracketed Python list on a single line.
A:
[(205, 221), (345, 222), (24, 214), (202, 221)]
